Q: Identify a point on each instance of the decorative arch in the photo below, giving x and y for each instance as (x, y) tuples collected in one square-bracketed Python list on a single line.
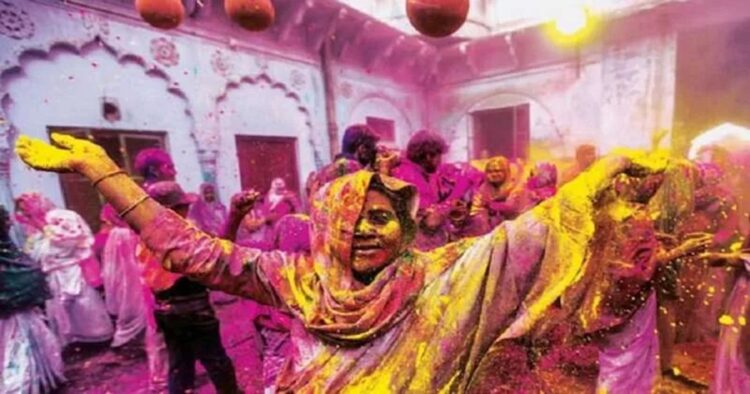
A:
[(461, 117), (264, 79), (391, 102), (57, 48), (48, 53), (467, 108)]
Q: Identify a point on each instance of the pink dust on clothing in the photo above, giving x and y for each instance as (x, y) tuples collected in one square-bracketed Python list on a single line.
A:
[(208, 216)]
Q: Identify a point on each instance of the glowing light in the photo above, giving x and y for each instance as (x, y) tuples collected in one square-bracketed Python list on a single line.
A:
[(572, 21)]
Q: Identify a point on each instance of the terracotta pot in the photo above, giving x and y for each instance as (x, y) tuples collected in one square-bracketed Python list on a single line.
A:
[(437, 18), (162, 14), (253, 15)]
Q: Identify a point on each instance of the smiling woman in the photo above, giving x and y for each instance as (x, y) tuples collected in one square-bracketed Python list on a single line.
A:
[(384, 229), (405, 323)]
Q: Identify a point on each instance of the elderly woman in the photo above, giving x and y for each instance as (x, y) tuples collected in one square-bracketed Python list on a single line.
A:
[(30, 211), (76, 311), (257, 228), (380, 316), (207, 212), (491, 203)]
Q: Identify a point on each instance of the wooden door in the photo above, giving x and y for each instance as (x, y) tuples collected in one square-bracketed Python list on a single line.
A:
[(501, 131), (261, 159), (122, 146)]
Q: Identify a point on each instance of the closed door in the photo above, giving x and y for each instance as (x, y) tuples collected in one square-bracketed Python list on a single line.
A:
[(122, 146), (261, 159), (501, 131)]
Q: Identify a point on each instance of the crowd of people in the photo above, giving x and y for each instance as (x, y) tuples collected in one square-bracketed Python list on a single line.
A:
[(396, 272)]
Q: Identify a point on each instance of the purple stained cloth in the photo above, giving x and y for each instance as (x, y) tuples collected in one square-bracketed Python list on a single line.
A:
[(425, 183), (448, 183), (629, 357), (292, 234), (426, 241), (541, 185), (732, 365), (208, 216)]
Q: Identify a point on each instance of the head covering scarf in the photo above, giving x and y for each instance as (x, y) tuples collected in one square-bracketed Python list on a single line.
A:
[(540, 186), (506, 187), (32, 209), (545, 176), (67, 240), (331, 302), (208, 216)]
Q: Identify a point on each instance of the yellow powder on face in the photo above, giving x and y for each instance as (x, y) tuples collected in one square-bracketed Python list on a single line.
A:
[(742, 321)]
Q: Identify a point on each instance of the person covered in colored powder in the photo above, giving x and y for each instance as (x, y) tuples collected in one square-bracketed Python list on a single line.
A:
[(257, 228), (184, 313), (491, 203), (541, 185), (121, 273), (30, 212), (359, 151), (732, 365), (154, 165), (76, 311), (630, 354), (383, 317), (207, 212), (30, 359)]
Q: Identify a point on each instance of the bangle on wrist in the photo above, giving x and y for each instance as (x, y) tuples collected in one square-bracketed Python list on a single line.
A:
[(133, 206), (108, 175)]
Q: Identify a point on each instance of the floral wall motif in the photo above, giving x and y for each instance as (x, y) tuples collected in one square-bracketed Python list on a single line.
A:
[(165, 52), (297, 79), (221, 63), (38, 99), (15, 22)]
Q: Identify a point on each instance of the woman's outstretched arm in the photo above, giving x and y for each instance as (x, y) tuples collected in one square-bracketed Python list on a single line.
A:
[(180, 247), (69, 154)]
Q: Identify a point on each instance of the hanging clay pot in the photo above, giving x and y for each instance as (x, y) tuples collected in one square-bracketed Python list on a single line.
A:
[(162, 14), (253, 15), (437, 18)]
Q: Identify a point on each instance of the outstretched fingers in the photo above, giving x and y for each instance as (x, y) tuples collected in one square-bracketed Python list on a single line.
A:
[(41, 155), (63, 140)]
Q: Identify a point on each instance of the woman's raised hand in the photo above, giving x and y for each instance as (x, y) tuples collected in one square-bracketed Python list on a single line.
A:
[(65, 154)]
